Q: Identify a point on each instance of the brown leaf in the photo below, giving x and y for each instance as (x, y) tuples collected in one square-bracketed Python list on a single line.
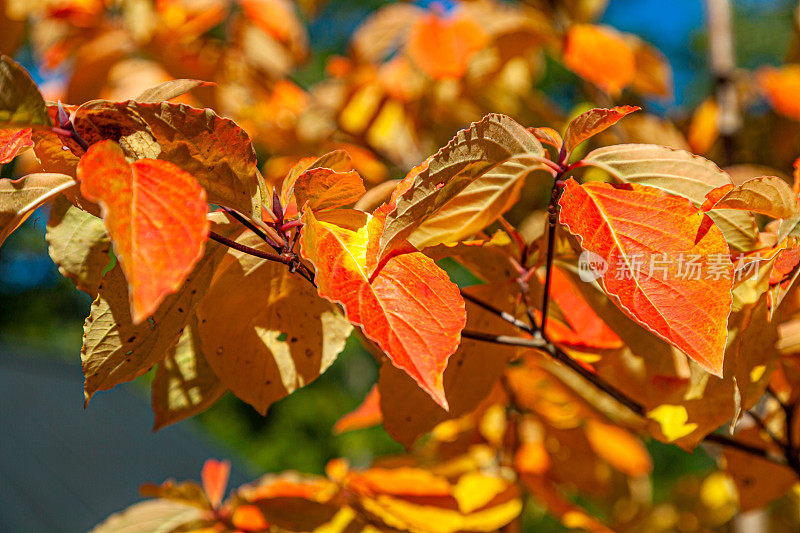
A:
[(20, 198), (287, 337), (169, 90)]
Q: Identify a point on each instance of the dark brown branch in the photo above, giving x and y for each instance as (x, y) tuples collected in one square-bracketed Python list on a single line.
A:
[(553, 351), (508, 317), (252, 227), (290, 261)]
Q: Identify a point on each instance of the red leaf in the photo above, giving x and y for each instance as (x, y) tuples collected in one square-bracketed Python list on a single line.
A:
[(592, 122), (366, 415), (683, 304), (215, 479), (155, 214), (13, 142), (408, 306)]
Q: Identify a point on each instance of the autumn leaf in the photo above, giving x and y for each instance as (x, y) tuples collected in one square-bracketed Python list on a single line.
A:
[(384, 31), (780, 87), (704, 127), (13, 143), (409, 306), (21, 103), (677, 172), (115, 349), (214, 150), (20, 198), (366, 415), (601, 55), (78, 244), (155, 214), (768, 195), (215, 479), (465, 186), (287, 337), (323, 188), (617, 446), (613, 223), (444, 46), (169, 90), (592, 122), (653, 73), (184, 384), (140, 517)]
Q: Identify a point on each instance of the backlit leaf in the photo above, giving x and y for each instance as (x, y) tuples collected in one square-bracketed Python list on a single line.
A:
[(13, 143), (600, 55), (20, 198), (781, 86), (168, 90), (676, 172), (768, 195), (443, 46), (324, 188), (155, 214), (617, 446), (465, 186), (78, 244), (614, 223), (154, 516), (653, 74), (20, 100), (286, 339), (366, 415), (704, 127), (409, 307), (215, 479), (184, 384), (592, 122)]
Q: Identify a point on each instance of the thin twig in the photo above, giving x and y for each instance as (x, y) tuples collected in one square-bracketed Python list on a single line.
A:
[(289, 261), (554, 352), (508, 317), (252, 227)]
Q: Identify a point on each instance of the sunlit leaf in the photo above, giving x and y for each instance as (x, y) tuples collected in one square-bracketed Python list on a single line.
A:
[(613, 223), (366, 415), (168, 90), (601, 55), (289, 336), (592, 122), (13, 143), (409, 307), (215, 479), (116, 350), (676, 172), (621, 449), (155, 516), (465, 186), (20, 198), (324, 188), (78, 244), (781, 86), (443, 46), (21, 103), (768, 195), (704, 127), (155, 214), (184, 384)]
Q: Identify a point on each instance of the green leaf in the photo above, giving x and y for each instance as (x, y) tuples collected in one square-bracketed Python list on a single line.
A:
[(79, 245), (21, 103)]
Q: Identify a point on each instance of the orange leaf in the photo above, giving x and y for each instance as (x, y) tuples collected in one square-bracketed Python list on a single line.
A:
[(215, 479), (767, 195), (324, 188), (13, 142), (704, 127), (600, 55), (674, 277), (366, 415), (408, 306), (155, 214), (249, 518), (622, 450), (443, 46), (532, 458), (592, 122), (781, 87), (403, 481)]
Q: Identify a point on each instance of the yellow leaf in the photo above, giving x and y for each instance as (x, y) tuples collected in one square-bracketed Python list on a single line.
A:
[(672, 419)]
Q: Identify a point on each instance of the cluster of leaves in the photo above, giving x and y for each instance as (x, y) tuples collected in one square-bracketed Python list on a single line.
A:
[(258, 294)]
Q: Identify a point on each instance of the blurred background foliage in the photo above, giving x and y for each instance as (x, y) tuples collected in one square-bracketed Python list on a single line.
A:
[(41, 312)]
